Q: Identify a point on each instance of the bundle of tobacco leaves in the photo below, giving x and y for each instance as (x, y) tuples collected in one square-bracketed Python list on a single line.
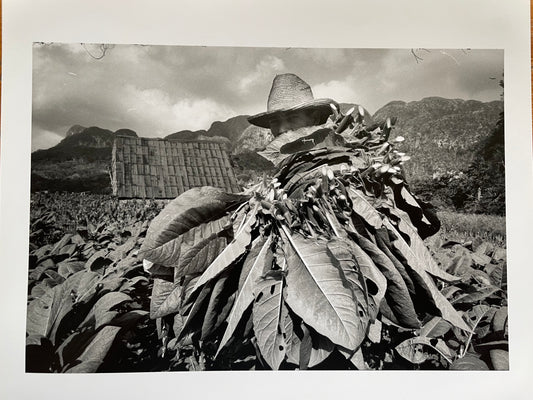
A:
[(302, 266)]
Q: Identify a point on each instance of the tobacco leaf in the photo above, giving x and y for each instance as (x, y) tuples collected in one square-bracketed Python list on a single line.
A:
[(364, 209), (200, 246), (197, 311), (313, 347), (469, 363), (418, 266), (105, 304), (193, 208), (94, 353), (233, 251), (317, 293), (357, 358), (435, 327), (410, 349), (72, 347), (480, 294), (166, 298), (499, 321), (67, 268), (252, 269), (397, 294), (375, 281), (128, 319), (499, 359), (45, 314), (417, 247), (266, 314), (340, 254), (217, 301)]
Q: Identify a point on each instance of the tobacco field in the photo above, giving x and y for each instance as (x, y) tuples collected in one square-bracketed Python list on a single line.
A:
[(90, 305)]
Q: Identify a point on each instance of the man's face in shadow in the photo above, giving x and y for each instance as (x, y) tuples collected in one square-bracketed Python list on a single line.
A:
[(291, 122)]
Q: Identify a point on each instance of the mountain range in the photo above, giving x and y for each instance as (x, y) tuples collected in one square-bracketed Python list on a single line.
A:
[(440, 135)]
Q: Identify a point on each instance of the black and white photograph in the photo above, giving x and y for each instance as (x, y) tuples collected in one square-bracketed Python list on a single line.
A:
[(204, 208), (270, 200)]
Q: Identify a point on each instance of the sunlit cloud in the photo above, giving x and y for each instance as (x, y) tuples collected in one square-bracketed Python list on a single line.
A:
[(265, 70)]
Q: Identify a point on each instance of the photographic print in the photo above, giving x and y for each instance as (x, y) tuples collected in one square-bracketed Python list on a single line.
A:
[(200, 208)]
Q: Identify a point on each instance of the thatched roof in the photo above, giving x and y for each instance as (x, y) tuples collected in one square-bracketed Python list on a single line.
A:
[(157, 168)]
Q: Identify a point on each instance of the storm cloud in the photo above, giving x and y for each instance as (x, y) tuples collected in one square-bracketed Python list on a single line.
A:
[(157, 90)]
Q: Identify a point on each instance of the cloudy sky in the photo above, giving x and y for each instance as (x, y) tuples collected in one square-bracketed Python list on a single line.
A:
[(158, 90)]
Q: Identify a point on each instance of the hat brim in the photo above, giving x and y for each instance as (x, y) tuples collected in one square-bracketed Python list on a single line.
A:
[(321, 105)]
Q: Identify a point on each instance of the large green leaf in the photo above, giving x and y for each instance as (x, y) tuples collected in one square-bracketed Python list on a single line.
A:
[(193, 208), (251, 270), (95, 352), (317, 292), (266, 319), (418, 266)]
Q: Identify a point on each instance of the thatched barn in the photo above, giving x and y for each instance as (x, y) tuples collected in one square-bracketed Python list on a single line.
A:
[(163, 169)]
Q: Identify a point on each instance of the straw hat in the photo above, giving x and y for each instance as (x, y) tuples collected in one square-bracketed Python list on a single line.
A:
[(290, 94)]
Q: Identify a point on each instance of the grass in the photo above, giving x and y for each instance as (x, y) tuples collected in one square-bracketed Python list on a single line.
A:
[(471, 226)]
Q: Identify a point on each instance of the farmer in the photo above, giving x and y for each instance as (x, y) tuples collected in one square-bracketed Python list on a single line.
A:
[(293, 112), (299, 122), (291, 106)]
